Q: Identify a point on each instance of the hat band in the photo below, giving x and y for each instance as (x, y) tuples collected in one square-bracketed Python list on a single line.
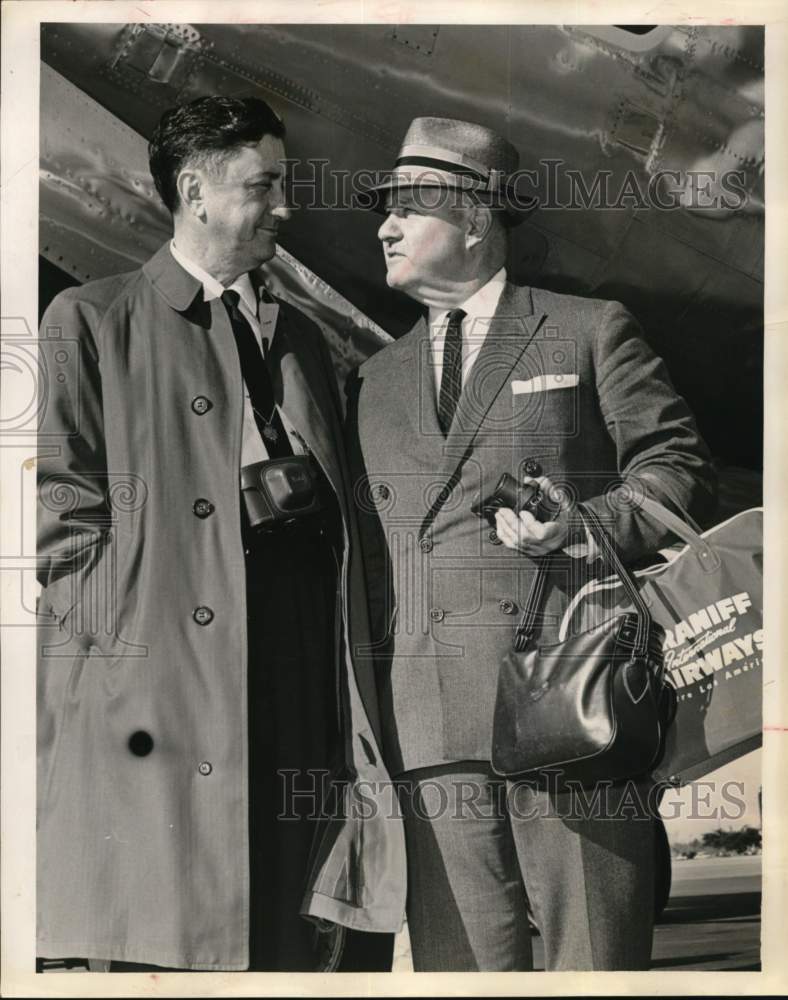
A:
[(447, 165), (447, 155)]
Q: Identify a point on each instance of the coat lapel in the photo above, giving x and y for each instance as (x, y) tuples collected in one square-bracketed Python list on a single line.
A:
[(304, 399)]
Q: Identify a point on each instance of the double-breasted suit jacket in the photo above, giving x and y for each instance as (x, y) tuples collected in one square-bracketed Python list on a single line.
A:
[(142, 689), (561, 382)]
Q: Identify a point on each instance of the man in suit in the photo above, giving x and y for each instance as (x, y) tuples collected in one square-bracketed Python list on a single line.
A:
[(195, 681), (560, 392)]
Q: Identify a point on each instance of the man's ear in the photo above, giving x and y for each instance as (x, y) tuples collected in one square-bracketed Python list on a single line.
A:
[(479, 225), (190, 192)]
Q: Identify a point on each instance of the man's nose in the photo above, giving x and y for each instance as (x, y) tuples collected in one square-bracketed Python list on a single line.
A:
[(280, 210), (389, 231)]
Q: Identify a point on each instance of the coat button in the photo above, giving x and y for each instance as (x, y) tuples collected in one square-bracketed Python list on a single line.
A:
[(437, 614), (380, 492), (493, 536), (507, 607), (205, 767), (201, 404), (532, 468), (140, 743), (203, 508), (202, 615), (426, 545)]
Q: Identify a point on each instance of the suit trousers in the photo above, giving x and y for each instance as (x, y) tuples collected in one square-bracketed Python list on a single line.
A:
[(291, 583), (294, 738), (484, 854)]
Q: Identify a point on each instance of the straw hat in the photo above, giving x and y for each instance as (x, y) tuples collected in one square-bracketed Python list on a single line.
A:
[(456, 155)]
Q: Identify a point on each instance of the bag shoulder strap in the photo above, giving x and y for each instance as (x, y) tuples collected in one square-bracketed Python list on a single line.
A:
[(525, 630)]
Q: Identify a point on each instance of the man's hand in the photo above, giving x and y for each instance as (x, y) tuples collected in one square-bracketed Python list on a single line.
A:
[(524, 533)]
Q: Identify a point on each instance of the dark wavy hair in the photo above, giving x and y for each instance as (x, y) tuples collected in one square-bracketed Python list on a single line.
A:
[(205, 131)]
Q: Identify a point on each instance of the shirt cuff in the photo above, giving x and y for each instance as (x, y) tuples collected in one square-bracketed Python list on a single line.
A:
[(588, 550)]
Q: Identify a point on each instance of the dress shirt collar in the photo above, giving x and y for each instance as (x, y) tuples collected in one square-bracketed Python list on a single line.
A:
[(480, 306), (213, 289)]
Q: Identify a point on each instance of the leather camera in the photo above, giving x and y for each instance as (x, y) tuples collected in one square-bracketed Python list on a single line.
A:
[(283, 491)]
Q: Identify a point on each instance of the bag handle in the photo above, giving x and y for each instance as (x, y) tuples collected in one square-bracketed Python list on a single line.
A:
[(688, 531), (526, 628)]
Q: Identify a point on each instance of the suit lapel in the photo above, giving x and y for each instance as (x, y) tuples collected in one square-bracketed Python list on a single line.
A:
[(425, 413), (411, 381), (512, 330)]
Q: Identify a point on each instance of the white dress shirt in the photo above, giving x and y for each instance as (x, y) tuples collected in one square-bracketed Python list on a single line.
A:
[(261, 317), (479, 310)]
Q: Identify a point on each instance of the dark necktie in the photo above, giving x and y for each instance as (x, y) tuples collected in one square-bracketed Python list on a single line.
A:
[(258, 380), (451, 379)]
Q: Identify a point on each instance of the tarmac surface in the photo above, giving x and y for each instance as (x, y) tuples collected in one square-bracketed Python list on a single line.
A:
[(712, 920), (713, 917)]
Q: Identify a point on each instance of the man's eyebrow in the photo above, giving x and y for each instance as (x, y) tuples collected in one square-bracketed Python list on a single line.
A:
[(400, 201), (264, 175)]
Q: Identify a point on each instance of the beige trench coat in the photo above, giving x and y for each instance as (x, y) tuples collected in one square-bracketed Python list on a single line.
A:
[(143, 856)]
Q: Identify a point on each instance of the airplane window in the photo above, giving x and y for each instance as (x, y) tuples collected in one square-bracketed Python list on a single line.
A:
[(636, 29)]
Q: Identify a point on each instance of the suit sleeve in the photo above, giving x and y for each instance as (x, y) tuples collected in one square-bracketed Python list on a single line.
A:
[(659, 449), (73, 510)]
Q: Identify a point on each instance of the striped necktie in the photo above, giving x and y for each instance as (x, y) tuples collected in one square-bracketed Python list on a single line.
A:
[(451, 378)]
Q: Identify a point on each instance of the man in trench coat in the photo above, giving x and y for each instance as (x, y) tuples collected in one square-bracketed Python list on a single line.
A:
[(184, 659), (557, 391)]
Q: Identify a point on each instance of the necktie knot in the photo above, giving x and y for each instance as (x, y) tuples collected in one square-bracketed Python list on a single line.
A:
[(456, 316), (231, 299)]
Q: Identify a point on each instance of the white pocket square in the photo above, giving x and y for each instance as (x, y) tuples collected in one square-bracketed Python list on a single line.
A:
[(544, 382)]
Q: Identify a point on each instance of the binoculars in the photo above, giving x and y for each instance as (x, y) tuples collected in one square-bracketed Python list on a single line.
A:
[(517, 497)]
